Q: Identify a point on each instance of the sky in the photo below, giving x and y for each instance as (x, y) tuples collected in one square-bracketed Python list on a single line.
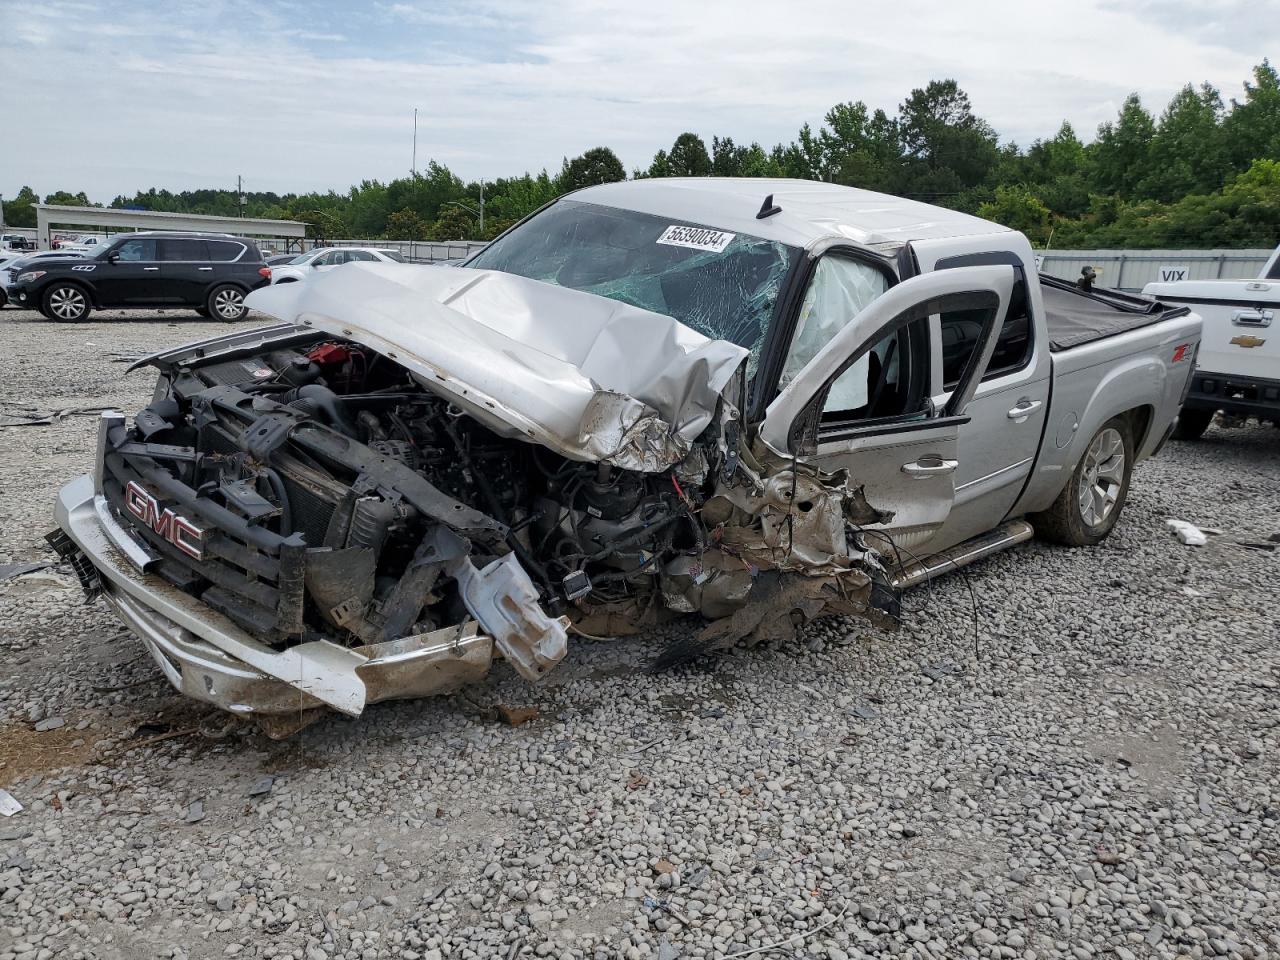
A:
[(112, 96)]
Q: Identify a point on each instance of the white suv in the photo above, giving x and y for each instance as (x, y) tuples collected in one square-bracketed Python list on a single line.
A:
[(326, 258)]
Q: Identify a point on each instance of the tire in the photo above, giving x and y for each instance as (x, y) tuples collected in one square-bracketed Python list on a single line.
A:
[(1191, 424), (226, 303), (1089, 505), (65, 303)]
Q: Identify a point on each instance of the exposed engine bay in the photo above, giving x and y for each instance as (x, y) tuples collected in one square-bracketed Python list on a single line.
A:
[(317, 490)]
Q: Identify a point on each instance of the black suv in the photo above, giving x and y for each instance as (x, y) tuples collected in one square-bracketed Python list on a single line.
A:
[(208, 272)]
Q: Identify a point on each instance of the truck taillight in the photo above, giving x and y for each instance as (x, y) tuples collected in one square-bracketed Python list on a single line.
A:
[(264, 272)]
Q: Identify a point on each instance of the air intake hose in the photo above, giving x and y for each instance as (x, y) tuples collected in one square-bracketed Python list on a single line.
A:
[(314, 399)]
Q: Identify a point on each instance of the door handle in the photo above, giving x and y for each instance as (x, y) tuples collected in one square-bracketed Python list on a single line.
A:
[(929, 467), (150, 268), (204, 268), (1252, 318), (1024, 409)]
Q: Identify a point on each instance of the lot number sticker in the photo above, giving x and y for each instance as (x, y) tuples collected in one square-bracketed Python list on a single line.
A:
[(696, 238)]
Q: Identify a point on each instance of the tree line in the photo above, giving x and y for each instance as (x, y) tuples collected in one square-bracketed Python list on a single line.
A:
[(1204, 173)]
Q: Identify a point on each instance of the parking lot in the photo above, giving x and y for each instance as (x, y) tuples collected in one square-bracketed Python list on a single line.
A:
[(1060, 752)]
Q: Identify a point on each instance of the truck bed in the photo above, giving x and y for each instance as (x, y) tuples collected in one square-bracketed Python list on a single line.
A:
[(1075, 317)]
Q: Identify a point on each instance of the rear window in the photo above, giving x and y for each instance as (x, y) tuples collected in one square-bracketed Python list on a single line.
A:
[(223, 251)]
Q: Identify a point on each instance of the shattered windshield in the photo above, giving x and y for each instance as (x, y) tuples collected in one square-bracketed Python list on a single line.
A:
[(724, 285)]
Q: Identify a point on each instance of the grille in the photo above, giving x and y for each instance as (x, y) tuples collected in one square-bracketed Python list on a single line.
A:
[(249, 574)]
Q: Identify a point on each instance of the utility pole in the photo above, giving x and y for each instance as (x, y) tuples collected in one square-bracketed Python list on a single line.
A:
[(413, 168), (239, 196), (482, 208)]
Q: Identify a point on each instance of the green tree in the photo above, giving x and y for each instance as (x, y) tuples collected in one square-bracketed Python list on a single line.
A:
[(1017, 208), (947, 148), (1251, 130), (65, 199), (1188, 150), (859, 148), (368, 210), (727, 158), (1122, 152), (511, 199), (598, 165), (405, 225), (454, 223), (689, 157), (20, 211)]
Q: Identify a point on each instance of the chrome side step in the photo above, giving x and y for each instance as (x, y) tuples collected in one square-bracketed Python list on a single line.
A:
[(963, 554)]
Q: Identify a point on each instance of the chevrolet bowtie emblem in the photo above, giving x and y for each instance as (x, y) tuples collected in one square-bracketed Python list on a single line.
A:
[(1246, 340)]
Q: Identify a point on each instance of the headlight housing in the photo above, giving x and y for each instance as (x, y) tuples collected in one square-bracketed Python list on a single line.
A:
[(30, 275)]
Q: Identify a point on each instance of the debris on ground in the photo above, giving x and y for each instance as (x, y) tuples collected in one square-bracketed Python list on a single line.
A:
[(8, 805), (261, 786), (33, 417), (1188, 533), (10, 570), (195, 812), (936, 671), (516, 716)]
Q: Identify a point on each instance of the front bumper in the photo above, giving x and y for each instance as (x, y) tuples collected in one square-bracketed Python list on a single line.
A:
[(1245, 396), (206, 656), (21, 296)]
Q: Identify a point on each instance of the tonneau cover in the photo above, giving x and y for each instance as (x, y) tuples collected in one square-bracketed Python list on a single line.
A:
[(1075, 317)]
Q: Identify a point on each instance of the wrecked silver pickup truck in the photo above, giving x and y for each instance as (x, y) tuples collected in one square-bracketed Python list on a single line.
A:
[(758, 401)]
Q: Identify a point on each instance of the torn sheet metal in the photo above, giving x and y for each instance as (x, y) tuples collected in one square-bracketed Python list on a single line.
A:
[(796, 519), (591, 378), (505, 601)]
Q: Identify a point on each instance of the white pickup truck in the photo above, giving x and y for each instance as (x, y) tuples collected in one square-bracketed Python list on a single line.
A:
[(758, 401), (1238, 369)]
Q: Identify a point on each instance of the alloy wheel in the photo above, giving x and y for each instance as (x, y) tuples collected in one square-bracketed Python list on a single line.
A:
[(229, 304), (67, 303), (1102, 476)]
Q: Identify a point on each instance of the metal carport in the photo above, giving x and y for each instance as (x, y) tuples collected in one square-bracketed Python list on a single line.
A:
[(116, 221)]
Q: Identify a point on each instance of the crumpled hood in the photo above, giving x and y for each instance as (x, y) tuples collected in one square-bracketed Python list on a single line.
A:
[(591, 378)]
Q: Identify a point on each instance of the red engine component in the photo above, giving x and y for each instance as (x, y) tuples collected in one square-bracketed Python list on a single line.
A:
[(329, 354)]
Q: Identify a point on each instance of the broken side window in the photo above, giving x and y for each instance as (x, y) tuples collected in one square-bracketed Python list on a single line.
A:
[(724, 285)]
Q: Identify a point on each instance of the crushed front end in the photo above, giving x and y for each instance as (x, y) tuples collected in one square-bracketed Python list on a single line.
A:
[(299, 520)]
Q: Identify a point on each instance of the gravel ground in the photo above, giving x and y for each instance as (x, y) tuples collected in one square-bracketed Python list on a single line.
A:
[(1080, 761)]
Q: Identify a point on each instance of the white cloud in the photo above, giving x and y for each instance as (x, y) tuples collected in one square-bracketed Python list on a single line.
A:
[(147, 94)]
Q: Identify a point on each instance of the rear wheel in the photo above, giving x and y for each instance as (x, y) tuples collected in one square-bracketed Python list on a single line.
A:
[(65, 303), (1090, 504), (226, 303), (1191, 424)]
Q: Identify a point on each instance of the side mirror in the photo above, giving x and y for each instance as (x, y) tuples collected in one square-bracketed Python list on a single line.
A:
[(113, 257), (317, 263)]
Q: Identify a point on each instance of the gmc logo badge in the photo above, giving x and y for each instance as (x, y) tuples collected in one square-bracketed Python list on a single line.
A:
[(178, 530)]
